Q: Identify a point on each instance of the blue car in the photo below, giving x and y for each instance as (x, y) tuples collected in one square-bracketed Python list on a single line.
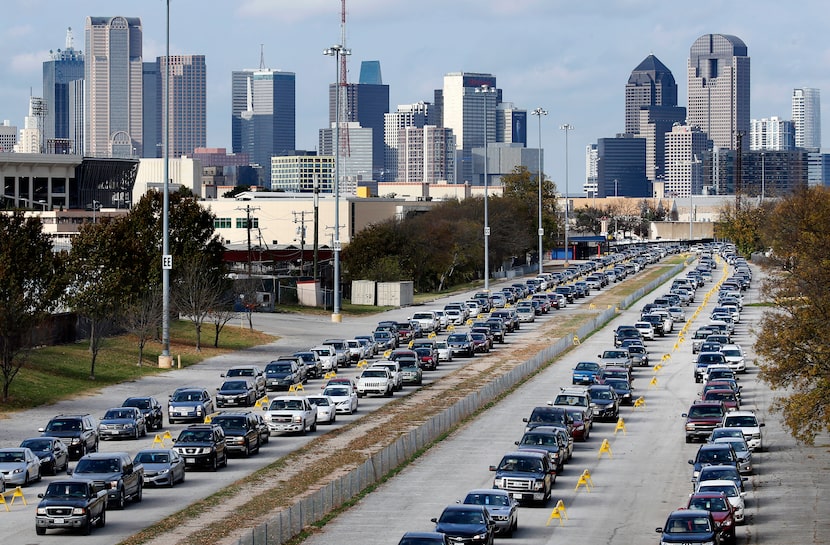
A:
[(586, 372)]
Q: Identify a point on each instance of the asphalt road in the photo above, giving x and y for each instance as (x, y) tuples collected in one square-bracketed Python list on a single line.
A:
[(635, 486)]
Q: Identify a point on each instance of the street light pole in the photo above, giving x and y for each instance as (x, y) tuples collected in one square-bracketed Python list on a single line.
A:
[(539, 112), (485, 90), (763, 176), (336, 51), (165, 360), (567, 127)]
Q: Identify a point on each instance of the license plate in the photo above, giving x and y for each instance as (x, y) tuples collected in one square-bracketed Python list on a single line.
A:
[(190, 460), (518, 496), (60, 521)]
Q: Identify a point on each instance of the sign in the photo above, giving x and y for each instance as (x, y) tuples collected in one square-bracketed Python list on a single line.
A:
[(167, 262)]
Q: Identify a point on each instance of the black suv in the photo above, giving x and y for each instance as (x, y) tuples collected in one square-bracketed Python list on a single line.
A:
[(203, 445), (150, 408), (242, 432), (78, 431)]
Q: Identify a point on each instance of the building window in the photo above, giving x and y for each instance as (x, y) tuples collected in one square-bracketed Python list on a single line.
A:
[(242, 223), (222, 223)]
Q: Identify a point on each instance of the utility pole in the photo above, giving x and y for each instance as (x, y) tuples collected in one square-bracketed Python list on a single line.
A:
[(739, 135), (316, 222), (248, 223), (301, 232)]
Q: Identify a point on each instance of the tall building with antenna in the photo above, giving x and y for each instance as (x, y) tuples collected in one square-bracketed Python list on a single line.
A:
[(63, 78), (263, 110)]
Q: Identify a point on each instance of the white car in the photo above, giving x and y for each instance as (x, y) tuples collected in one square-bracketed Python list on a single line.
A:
[(328, 357), (749, 425), (733, 494), (344, 397), (356, 347), (677, 314), (526, 314), (443, 320), (444, 351), (454, 316), (645, 329), (326, 409), (395, 370), (734, 355)]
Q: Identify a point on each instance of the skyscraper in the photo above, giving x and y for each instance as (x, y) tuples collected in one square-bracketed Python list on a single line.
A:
[(407, 115), (263, 109), (685, 149), (807, 118), (718, 73), (113, 76), (771, 133), (64, 67), (621, 167), (187, 117), (651, 84)]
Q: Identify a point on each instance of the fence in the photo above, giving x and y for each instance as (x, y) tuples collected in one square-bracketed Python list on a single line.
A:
[(290, 521)]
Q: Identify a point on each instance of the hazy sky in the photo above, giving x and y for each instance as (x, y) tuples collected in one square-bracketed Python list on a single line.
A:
[(572, 58)]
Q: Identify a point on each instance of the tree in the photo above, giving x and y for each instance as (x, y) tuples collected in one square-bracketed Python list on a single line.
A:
[(792, 343), (222, 313), (30, 284), (142, 317), (743, 227), (523, 186), (198, 290)]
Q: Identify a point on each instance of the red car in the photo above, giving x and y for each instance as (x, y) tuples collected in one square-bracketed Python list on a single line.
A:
[(582, 423), (722, 511), (727, 396)]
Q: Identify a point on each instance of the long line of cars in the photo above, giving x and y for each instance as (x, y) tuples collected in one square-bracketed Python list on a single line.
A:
[(527, 474)]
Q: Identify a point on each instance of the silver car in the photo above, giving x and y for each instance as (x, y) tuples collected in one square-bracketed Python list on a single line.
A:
[(19, 466)]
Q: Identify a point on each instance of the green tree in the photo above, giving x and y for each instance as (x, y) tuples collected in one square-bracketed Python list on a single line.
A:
[(523, 186), (792, 343), (30, 285), (743, 227)]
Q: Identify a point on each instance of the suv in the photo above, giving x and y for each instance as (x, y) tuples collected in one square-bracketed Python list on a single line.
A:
[(79, 432), (202, 445), (702, 418), (242, 431), (704, 360), (527, 475), (291, 414), (549, 416), (116, 472), (748, 423), (690, 527), (252, 372)]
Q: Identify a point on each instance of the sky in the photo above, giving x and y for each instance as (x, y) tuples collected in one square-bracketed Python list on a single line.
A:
[(571, 58)]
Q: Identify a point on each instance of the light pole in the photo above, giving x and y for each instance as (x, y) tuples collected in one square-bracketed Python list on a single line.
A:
[(763, 176), (539, 112), (165, 360), (336, 51), (486, 90), (567, 127)]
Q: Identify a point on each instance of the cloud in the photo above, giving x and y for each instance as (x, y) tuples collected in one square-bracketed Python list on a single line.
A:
[(29, 62), (20, 31)]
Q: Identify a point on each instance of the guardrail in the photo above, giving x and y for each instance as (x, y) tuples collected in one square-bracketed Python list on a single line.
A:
[(291, 520)]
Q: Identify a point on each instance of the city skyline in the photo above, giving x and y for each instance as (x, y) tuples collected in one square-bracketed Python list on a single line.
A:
[(572, 60)]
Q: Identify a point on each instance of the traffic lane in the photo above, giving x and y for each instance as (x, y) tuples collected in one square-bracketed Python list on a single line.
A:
[(460, 463)]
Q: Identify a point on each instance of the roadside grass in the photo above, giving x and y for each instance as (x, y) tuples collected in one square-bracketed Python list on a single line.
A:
[(52, 373)]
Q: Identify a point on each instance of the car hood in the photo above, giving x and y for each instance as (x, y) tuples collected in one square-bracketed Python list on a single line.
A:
[(185, 403), (63, 434), (155, 468), (121, 421), (108, 476), (63, 501), (10, 466), (465, 530), (688, 537), (233, 392), (278, 375), (519, 474)]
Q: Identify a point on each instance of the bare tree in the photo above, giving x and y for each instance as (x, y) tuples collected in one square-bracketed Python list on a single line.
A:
[(200, 286), (142, 318), (246, 291), (220, 315)]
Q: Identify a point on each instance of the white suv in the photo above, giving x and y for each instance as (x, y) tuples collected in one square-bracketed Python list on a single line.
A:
[(734, 355), (749, 425)]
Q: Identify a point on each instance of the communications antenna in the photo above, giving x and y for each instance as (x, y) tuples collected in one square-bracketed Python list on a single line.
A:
[(344, 88)]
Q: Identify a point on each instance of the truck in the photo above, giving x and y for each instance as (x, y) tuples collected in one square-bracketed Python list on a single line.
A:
[(116, 472), (290, 414), (71, 504)]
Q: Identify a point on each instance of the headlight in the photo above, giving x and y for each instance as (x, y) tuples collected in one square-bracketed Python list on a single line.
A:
[(41, 510), (129, 426), (17, 470), (297, 419), (538, 485), (75, 441), (199, 409), (79, 511), (479, 537), (113, 484), (163, 472)]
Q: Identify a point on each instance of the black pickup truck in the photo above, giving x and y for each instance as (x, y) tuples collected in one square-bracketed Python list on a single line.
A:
[(74, 504), (116, 471)]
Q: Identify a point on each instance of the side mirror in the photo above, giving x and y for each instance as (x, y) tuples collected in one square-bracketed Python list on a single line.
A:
[(435, 520), (492, 468)]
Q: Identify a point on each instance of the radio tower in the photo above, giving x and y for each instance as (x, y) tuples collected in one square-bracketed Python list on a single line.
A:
[(344, 89)]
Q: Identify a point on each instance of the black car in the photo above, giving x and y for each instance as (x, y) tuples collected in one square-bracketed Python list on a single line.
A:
[(605, 402), (466, 524), (78, 431), (242, 431), (236, 393), (424, 538), (150, 408), (202, 445), (690, 527), (549, 416), (53, 454)]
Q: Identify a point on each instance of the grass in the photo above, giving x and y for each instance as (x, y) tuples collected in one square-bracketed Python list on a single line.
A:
[(52, 373)]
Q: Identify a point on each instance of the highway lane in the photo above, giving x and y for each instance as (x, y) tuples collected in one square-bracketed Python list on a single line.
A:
[(645, 476), (296, 332)]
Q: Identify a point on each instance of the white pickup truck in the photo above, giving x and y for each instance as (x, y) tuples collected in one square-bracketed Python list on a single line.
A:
[(375, 380), (290, 414)]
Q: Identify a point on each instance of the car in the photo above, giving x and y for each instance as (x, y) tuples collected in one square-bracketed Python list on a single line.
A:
[(444, 351), (290, 414), (189, 404), (717, 433), (699, 337), (677, 314), (481, 342), (732, 491), (342, 351), (704, 360), (162, 466), (428, 320), (424, 538), (283, 375), (549, 416), (749, 425), (202, 445), (79, 432), (726, 472), (123, 479), (254, 373), (586, 372), (637, 352), (466, 524), (623, 389), (454, 316), (461, 344), (657, 321), (615, 372), (617, 357), (236, 393), (326, 409), (71, 504), (344, 397), (742, 451), (710, 346), (122, 422), (359, 351), (605, 402), (313, 363), (370, 343), (702, 417), (725, 395), (723, 384), (53, 453), (427, 359), (526, 313), (411, 373), (150, 408), (722, 511), (583, 421), (19, 466), (626, 332), (384, 340), (545, 438), (734, 355), (241, 429), (503, 509), (394, 368), (328, 357), (713, 454), (689, 527), (646, 329), (576, 396), (527, 475)]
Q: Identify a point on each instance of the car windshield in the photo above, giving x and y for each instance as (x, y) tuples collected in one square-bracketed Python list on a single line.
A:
[(687, 525), (95, 465), (187, 395), (457, 338), (194, 436), (601, 394), (336, 392), (37, 444), (708, 504), (730, 490), (374, 373), (521, 465), (587, 366), (705, 411), (240, 373), (230, 422), (713, 456), (617, 384), (138, 403), (66, 490), (320, 401), (235, 385), (115, 414), (274, 368), (456, 516), (152, 458), (498, 500), (540, 439), (283, 404), (11, 456), (64, 425)]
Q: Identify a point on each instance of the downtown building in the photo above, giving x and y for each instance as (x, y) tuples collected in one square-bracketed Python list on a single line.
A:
[(113, 87), (771, 133), (416, 115), (63, 87), (621, 168), (718, 86), (686, 147), (806, 117)]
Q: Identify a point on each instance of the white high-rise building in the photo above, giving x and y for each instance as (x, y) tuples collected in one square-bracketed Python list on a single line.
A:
[(113, 87), (426, 155), (31, 136), (591, 186), (771, 133), (685, 146), (8, 136), (407, 115), (807, 118)]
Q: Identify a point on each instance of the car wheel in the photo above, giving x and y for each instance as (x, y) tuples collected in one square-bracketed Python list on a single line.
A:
[(86, 529), (26, 479), (137, 433), (139, 495), (121, 500), (39, 475), (314, 426), (102, 520), (39, 530), (247, 449), (214, 465)]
